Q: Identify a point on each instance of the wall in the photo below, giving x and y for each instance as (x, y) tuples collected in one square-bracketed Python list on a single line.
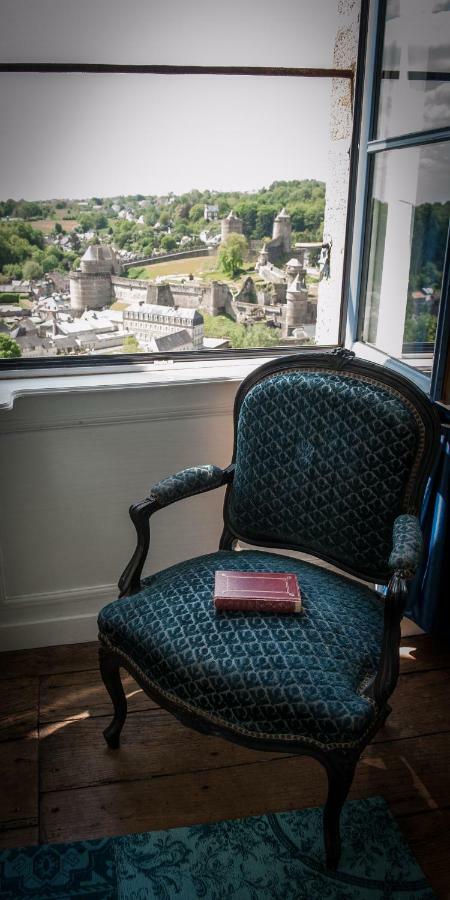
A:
[(70, 465), (338, 171)]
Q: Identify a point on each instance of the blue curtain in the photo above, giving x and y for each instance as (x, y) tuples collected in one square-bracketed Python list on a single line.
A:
[(429, 597)]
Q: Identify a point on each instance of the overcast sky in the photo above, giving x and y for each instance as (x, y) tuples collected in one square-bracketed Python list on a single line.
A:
[(87, 135)]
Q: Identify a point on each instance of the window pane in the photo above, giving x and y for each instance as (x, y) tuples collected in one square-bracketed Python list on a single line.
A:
[(415, 79), (121, 212), (408, 227)]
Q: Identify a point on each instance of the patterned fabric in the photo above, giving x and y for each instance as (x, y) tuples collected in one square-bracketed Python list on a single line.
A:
[(273, 857), (407, 544), (291, 676), (323, 461), (187, 483)]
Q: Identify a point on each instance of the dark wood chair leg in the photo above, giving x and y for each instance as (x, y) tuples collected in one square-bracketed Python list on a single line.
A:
[(110, 672), (340, 771)]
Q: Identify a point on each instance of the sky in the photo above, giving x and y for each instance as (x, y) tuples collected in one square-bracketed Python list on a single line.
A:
[(100, 135)]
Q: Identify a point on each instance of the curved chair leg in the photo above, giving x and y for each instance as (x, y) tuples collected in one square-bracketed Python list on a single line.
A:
[(340, 771), (110, 672)]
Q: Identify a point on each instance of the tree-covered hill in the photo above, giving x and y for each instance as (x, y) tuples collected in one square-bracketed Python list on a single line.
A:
[(142, 224)]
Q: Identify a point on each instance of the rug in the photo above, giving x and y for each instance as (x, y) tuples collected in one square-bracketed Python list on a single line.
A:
[(277, 856)]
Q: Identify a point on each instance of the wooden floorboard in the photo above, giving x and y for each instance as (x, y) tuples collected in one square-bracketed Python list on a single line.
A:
[(49, 660), (63, 783), (19, 702), (19, 806), (83, 694)]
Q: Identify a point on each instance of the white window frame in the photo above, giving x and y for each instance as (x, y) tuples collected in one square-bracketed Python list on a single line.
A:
[(350, 336)]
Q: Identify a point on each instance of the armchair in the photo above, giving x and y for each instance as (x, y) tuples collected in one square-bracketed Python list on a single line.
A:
[(331, 456)]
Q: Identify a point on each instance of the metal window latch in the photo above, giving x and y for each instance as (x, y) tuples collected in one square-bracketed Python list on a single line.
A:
[(324, 258)]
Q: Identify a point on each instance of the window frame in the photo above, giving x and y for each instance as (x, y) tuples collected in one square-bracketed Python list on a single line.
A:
[(14, 368), (370, 145)]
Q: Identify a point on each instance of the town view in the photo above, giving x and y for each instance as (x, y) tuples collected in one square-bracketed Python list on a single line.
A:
[(204, 270)]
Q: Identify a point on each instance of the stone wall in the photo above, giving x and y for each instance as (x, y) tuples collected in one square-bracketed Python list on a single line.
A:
[(167, 257), (129, 291)]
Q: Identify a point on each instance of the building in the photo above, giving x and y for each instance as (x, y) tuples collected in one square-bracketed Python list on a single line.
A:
[(90, 285), (231, 225), (210, 212), (147, 321)]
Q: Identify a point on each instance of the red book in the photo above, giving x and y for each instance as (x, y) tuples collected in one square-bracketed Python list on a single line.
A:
[(258, 591)]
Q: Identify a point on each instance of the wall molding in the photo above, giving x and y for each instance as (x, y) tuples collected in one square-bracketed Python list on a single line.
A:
[(19, 424), (53, 617)]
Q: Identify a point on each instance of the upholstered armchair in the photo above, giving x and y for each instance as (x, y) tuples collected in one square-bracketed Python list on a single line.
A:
[(331, 456)]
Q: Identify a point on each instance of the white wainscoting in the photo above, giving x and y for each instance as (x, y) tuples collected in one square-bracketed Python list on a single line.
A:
[(70, 465)]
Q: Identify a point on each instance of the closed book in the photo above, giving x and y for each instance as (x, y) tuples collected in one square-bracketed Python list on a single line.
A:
[(257, 591)]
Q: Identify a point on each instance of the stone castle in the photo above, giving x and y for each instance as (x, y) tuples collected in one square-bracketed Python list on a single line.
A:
[(283, 300), (98, 283)]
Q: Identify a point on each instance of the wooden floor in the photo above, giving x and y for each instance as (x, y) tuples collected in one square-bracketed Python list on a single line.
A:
[(61, 783)]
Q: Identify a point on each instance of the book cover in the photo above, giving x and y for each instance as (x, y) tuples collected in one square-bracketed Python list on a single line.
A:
[(257, 591)]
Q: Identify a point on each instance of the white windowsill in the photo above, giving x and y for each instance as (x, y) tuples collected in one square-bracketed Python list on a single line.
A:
[(160, 373), (372, 354), (90, 378)]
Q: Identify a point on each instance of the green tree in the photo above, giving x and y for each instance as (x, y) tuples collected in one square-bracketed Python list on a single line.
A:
[(232, 254), (9, 349), (168, 242), (131, 344), (31, 269)]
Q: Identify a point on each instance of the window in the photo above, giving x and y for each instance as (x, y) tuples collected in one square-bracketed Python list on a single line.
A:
[(404, 302), (149, 177)]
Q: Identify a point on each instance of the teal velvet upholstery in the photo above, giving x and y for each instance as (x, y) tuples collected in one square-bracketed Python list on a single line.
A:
[(407, 544), (290, 677), (322, 462), (186, 483)]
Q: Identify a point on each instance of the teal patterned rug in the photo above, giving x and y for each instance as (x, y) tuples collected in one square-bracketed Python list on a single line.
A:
[(272, 857)]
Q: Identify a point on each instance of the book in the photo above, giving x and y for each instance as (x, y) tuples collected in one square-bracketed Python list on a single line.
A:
[(276, 592)]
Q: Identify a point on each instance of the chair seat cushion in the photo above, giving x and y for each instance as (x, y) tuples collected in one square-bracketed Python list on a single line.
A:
[(283, 677)]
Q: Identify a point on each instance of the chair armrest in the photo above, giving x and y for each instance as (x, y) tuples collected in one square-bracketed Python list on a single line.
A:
[(187, 483), (195, 480), (407, 545), (405, 557)]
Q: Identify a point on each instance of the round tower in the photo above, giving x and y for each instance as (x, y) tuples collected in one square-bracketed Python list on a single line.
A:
[(296, 303), (90, 285), (293, 268), (282, 229), (231, 225), (263, 257)]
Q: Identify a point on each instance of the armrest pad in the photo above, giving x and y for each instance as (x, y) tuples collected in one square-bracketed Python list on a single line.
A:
[(186, 483), (407, 543)]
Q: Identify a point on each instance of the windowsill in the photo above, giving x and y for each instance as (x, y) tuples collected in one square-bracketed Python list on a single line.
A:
[(372, 354), (89, 378), (162, 372)]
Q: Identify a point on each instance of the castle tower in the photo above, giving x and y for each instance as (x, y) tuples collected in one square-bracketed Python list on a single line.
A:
[(263, 257), (231, 225), (294, 268), (296, 303), (282, 229), (90, 285)]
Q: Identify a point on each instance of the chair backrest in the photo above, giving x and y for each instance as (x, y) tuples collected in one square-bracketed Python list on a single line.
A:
[(329, 450)]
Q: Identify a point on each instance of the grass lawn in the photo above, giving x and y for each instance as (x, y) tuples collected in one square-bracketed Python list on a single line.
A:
[(119, 305), (47, 225), (195, 266)]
